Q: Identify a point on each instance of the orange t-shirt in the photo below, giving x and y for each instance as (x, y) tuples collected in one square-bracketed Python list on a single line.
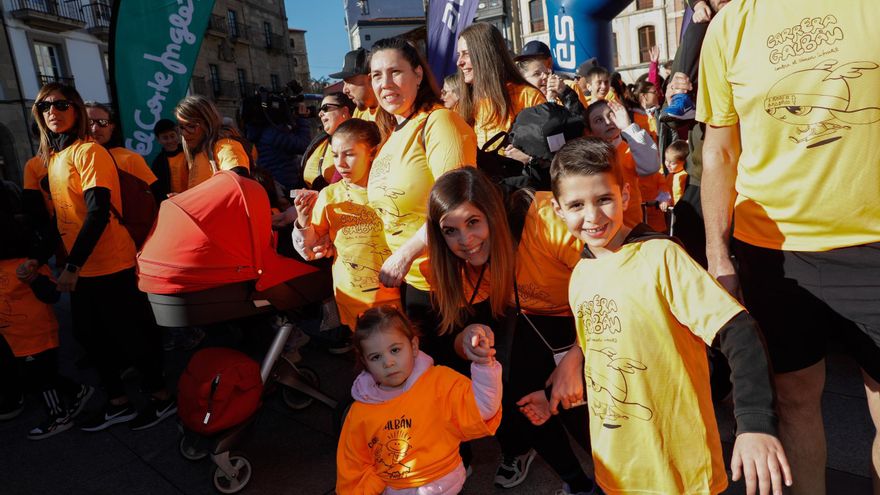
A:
[(133, 163), (650, 187), (228, 154), (412, 439), (34, 173), (72, 171), (633, 214), (27, 324), (646, 122)]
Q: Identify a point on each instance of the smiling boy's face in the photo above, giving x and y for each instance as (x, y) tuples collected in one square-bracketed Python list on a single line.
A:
[(592, 207)]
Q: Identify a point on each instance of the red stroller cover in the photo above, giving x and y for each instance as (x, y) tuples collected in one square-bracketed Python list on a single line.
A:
[(217, 233)]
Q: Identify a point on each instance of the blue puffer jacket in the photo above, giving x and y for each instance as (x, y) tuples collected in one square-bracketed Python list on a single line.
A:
[(278, 148)]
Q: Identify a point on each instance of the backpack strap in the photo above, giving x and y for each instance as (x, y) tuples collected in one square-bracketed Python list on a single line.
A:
[(113, 209), (500, 138)]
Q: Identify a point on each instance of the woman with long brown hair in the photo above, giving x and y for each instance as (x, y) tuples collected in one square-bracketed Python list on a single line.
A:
[(424, 140), (506, 265), (111, 318), (492, 90)]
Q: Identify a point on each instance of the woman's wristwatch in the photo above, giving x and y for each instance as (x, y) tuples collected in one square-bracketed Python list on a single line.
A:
[(71, 268)]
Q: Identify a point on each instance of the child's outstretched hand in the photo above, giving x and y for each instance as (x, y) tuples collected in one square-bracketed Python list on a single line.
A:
[(762, 460), (619, 115), (304, 202), (478, 343), (536, 407)]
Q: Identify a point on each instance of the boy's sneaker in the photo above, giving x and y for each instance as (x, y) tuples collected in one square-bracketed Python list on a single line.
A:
[(513, 470), (51, 426), (681, 107), (110, 416), (10, 408), (79, 401), (566, 490), (155, 413)]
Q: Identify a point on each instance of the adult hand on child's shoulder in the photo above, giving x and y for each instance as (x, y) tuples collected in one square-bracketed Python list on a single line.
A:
[(760, 458), (478, 342)]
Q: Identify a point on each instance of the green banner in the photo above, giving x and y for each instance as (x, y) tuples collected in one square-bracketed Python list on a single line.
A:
[(154, 45)]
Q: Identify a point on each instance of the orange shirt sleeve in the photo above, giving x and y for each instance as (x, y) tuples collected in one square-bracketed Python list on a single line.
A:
[(230, 154)]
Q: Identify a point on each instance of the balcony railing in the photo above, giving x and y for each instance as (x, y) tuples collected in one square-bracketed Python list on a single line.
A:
[(225, 89), (98, 19), (198, 85), (274, 42), (48, 78), (238, 31), (248, 89), (217, 25), (51, 15)]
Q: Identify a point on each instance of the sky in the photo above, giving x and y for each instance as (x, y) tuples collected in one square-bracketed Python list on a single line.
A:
[(326, 40)]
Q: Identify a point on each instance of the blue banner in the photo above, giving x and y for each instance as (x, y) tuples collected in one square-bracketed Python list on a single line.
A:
[(580, 30), (153, 49), (446, 20)]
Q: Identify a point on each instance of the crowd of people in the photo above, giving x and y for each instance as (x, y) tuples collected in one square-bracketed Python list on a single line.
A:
[(593, 287)]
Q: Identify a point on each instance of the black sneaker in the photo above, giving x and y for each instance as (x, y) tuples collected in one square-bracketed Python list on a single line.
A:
[(155, 413), (10, 408), (79, 402), (53, 425), (513, 470), (110, 416)]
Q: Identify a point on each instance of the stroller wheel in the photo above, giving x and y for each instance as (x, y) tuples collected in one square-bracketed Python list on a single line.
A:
[(296, 399), (226, 484), (189, 451)]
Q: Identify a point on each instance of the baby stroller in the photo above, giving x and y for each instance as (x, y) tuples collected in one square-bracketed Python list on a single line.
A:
[(210, 259)]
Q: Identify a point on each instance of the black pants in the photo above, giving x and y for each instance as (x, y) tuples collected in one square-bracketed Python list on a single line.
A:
[(531, 364), (36, 373), (688, 226), (113, 322)]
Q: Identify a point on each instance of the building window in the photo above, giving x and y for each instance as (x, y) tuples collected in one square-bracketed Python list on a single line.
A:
[(536, 14), (232, 23), (242, 82), (215, 78), (644, 4), (292, 43), (267, 34), (48, 62), (646, 41), (615, 59), (275, 82), (295, 62), (366, 37)]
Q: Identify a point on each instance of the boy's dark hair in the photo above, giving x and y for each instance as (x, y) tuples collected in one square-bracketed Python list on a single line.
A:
[(678, 149), (376, 320), (164, 125), (584, 156), (597, 71), (595, 105)]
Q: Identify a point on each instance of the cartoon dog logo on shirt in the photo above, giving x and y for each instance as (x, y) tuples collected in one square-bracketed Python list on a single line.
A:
[(395, 221), (368, 259), (826, 100), (606, 375)]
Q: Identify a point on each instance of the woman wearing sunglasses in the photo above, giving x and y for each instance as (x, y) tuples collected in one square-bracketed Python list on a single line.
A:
[(208, 145), (103, 129), (317, 162), (111, 318)]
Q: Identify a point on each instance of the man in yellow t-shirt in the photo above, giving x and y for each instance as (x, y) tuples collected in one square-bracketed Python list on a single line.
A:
[(356, 84), (788, 93), (644, 312)]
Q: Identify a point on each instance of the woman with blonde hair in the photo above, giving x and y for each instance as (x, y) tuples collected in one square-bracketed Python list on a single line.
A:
[(111, 318), (208, 145), (492, 90), (505, 264)]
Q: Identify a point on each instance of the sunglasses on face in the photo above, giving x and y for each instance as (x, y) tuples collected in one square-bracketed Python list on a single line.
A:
[(326, 107), (60, 105), (102, 123)]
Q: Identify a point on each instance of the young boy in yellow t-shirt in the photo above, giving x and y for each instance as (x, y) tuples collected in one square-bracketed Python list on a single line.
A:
[(644, 311), (674, 158)]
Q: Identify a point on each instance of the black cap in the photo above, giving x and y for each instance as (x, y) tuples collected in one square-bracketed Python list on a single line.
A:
[(586, 66), (355, 64), (534, 49)]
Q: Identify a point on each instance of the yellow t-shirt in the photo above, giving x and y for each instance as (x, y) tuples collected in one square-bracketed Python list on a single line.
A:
[(369, 114), (228, 154), (28, 324), (356, 232), (72, 171), (34, 173), (521, 96), (800, 79), (134, 164), (644, 316), (633, 214), (405, 170), (319, 162), (678, 183), (546, 255)]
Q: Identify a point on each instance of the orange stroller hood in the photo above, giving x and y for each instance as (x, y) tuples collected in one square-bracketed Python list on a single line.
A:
[(217, 233)]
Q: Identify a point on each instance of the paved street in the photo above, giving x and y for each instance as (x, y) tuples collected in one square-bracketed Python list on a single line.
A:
[(293, 452)]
